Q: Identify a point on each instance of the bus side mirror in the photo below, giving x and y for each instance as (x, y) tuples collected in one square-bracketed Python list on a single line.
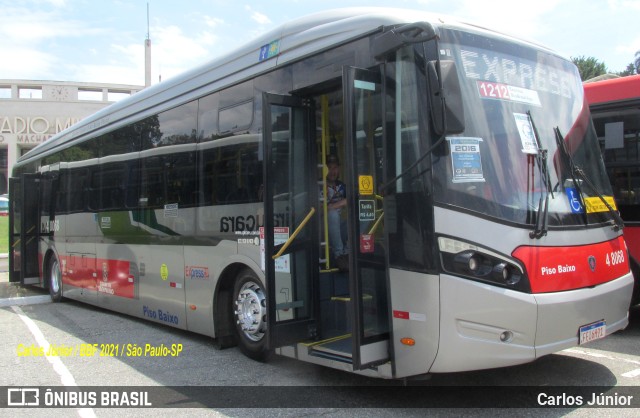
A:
[(447, 111)]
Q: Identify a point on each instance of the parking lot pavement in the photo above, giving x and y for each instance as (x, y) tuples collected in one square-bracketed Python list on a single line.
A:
[(14, 294)]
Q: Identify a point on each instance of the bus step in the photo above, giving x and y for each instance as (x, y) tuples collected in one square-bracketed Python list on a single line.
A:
[(31, 280), (338, 349), (330, 356)]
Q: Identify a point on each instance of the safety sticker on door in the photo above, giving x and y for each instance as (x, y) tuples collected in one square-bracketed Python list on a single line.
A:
[(367, 210), (365, 185), (366, 243)]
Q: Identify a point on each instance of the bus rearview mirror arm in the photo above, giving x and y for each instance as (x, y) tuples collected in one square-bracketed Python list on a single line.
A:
[(395, 38)]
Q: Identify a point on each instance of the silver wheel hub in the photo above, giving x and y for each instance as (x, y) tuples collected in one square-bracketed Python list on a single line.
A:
[(55, 277), (251, 311)]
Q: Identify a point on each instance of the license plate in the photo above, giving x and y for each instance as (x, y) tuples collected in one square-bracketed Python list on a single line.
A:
[(593, 331)]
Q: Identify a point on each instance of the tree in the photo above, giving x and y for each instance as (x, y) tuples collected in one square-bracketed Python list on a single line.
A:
[(630, 70), (589, 67), (637, 62)]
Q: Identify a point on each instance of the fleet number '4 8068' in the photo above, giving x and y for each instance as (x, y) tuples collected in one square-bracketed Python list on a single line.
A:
[(614, 258)]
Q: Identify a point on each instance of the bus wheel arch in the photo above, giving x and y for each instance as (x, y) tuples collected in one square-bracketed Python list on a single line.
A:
[(248, 312), (224, 319), (224, 328), (53, 276)]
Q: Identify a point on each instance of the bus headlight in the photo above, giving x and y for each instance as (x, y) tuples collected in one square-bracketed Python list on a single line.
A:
[(468, 260), (471, 261), (502, 272)]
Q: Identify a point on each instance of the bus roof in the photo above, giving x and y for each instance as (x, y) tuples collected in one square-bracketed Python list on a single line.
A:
[(291, 41), (613, 90)]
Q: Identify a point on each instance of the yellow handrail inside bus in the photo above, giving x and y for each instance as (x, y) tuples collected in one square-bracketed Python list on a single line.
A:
[(375, 225), (295, 233)]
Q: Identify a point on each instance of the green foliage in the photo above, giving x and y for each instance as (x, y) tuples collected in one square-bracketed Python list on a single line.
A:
[(589, 67), (630, 70), (4, 234)]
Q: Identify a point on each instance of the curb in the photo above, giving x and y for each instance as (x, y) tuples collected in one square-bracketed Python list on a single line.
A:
[(25, 300)]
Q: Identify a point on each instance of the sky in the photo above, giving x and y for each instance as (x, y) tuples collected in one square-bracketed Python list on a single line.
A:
[(102, 41)]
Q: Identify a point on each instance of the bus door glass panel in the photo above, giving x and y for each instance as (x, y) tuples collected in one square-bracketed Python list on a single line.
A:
[(409, 213), (15, 229), (30, 229), (363, 101), (292, 274), (48, 195)]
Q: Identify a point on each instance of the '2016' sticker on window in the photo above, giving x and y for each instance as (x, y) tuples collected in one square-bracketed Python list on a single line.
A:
[(500, 91), (466, 160)]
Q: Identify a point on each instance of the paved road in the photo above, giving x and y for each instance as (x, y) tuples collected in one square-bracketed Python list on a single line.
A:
[(613, 362)]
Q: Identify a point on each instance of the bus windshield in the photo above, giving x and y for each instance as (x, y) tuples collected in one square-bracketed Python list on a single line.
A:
[(520, 103)]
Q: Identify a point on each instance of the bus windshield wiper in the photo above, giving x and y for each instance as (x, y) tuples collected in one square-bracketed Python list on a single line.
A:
[(575, 170), (540, 229), (567, 161)]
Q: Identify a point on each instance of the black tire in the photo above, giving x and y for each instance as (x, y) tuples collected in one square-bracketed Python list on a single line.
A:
[(54, 279), (249, 308)]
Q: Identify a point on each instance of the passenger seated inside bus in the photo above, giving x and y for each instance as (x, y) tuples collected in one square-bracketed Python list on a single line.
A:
[(336, 201)]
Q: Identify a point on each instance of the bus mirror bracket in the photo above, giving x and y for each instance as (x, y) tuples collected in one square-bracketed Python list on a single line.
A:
[(396, 37), (447, 111)]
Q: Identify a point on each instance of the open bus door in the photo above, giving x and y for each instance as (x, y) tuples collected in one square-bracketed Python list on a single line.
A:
[(355, 325), (24, 224), (364, 117), (289, 236)]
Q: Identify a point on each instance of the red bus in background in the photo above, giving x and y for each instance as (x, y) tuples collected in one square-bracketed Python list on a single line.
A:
[(615, 109)]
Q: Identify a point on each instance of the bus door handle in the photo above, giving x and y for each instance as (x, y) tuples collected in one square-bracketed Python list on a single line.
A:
[(288, 242)]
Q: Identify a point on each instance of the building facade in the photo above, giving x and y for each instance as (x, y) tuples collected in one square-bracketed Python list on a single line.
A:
[(31, 112)]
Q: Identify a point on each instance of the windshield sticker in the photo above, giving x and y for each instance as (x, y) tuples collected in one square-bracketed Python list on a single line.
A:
[(525, 129), (498, 91), (465, 159), (574, 200), (595, 204)]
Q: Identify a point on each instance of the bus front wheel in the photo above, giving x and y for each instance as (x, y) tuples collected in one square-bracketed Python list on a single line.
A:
[(55, 280), (250, 315)]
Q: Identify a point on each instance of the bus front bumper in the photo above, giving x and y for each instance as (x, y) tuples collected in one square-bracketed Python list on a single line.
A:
[(484, 326)]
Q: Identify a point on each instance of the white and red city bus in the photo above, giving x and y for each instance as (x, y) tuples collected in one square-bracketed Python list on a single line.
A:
[(615, 110), (480, 224)]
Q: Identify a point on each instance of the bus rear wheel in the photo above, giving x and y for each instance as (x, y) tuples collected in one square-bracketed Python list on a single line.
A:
[(55, 280), (250, 315)]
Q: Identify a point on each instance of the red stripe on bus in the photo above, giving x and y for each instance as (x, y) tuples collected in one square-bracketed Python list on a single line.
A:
[(554, 269), (105, 276)]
